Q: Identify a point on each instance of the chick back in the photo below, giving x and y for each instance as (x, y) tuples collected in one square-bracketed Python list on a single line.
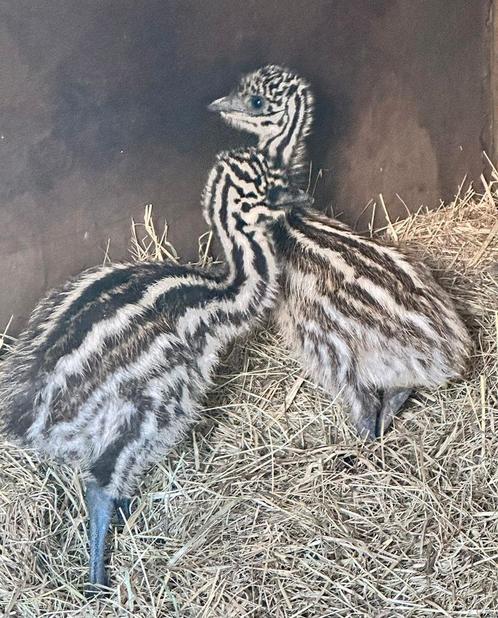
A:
[(356, 310), (113, 363)]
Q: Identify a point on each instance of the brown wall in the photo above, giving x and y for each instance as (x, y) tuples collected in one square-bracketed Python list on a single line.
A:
[(493, 66), (102, 110)]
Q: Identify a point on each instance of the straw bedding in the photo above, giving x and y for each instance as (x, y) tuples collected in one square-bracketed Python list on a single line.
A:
[(273, 507)]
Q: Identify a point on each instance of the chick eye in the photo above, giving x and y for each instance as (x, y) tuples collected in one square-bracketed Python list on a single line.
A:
[(256, 102)]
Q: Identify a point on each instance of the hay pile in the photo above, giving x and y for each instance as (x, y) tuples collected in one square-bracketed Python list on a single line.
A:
[(273, 507)]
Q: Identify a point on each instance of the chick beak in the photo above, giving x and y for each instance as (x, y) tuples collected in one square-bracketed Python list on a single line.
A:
[(228, 104)]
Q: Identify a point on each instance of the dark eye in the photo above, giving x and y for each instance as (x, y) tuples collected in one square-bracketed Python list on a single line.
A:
[(256, 101)]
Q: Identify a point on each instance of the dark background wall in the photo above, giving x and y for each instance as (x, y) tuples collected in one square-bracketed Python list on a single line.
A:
[(102, 110)]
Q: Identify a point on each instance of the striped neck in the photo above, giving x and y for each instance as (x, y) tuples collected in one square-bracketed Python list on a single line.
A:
[(287, 147), (251, 267)]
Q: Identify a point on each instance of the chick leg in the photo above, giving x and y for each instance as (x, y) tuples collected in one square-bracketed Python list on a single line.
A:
[(364, 405), (100, 508), (123, 511), (392, 401)]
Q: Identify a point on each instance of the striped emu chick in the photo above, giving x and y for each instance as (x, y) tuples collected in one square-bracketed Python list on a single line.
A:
[(110, 371), (367, 321)]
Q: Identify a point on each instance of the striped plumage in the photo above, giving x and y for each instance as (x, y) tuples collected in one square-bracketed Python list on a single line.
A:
[(110, 370), (367, 321)]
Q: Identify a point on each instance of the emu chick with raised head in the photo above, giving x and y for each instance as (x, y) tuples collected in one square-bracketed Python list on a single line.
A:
[(368, 322)]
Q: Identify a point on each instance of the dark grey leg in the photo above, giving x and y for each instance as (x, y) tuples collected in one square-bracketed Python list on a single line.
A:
[(100, 507), (392, 401), (123, 511), (364, 405)]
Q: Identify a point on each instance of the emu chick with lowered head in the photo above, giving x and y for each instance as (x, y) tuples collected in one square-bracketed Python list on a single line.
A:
[(110, 370), (368, 322)]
